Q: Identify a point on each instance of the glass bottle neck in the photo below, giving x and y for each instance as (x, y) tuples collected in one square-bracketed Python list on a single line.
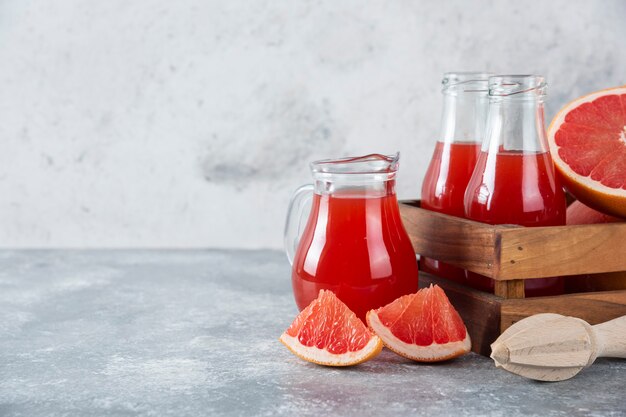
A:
[(515, 125), (464, 116)]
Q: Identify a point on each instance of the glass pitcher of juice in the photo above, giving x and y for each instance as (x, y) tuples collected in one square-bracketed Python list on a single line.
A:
[(462, 131), (354, 242), (514, 181)]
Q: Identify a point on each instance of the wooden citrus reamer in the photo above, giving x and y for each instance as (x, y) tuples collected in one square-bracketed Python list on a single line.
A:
[(511, 254), (552, 347)]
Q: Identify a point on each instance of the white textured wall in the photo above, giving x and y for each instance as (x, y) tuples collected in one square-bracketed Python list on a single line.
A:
[(188, 123)]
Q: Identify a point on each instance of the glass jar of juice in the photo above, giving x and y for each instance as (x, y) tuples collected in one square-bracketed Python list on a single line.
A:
[(354, 243), (462, 131), (514, 181)]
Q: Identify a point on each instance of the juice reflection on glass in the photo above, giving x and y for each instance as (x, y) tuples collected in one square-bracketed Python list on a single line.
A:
[(354, 242), (454, 157), (514, 181)]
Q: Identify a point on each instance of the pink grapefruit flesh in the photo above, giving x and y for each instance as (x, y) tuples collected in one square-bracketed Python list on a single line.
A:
[(588, 144), (328, 333), (423, 326)]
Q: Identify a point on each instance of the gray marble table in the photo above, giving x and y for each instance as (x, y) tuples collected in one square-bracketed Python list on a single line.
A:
[(195, 333)]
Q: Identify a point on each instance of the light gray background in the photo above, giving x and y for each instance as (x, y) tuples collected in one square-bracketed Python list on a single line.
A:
[(188, 123)]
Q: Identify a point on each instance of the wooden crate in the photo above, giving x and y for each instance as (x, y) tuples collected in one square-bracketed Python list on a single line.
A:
[(510, 254)]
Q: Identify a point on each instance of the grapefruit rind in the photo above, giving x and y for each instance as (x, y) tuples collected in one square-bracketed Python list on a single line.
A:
[(323, 357), (431, 353), (591, 192)]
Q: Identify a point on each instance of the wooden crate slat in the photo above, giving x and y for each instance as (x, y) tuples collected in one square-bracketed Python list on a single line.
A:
[(462, 242), (537, 252), (594, 308)]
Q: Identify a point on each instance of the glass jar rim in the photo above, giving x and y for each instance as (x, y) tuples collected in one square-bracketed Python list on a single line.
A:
[(465, 82), (371, 167), (517, 86)]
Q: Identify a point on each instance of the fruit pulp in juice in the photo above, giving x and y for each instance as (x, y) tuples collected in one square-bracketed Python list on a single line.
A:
[(516, 188), (443, 190), (355, 246)]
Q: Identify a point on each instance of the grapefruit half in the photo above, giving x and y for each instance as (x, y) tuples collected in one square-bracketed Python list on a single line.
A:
[(423, 326), (328, 333), (588, 144)]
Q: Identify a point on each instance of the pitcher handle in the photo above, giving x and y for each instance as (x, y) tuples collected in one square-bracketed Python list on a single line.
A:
[(299, 201)]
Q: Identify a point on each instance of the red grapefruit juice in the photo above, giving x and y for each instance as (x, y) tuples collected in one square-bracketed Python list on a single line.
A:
[(354, 245), (518, 188), (443, 189)]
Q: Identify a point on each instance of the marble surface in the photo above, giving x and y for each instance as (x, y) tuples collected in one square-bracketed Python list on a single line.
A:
[(188, 123), (195, 333)]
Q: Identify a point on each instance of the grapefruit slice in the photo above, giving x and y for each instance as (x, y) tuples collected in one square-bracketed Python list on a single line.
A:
[(588, 144), (423, 326), (328, 333)]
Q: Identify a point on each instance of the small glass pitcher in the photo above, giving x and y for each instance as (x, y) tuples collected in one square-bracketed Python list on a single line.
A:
[(354, 243)]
